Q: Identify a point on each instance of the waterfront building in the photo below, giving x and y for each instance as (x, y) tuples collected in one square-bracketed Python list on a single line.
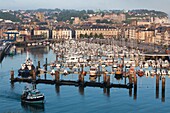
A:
[(107, 32), (59, 33), (130, 33), (145, 35), (42, 31)]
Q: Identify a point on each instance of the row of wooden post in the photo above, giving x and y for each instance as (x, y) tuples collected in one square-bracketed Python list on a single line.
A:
[(163, 87)]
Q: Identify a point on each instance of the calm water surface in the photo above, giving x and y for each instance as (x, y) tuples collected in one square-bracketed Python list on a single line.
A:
[(70, 99)]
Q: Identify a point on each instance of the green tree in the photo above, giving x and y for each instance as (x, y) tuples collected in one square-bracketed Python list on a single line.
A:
[(101, 36), (81, 36), (96, 35), (98, 21), (91, 35), (86, 36)]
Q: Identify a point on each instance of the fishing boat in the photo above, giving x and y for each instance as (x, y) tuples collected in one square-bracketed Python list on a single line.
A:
[(32, 96), (27, 68)]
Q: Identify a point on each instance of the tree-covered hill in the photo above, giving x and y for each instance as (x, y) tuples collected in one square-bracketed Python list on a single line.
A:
[(9, 16)]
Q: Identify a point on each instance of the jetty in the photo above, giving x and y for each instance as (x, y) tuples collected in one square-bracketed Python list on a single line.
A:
[(79, 82)]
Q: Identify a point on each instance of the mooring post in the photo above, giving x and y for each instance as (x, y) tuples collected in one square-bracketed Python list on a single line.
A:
[(82, 68), (104, 90), (130, 78), (34, 75), (104, 77), (99, 78), (79, 77), (12, 75), (108, 92), (135, 81), (163, 89), (38, 64), (57, 77), (82, 76), (81, 90), (135, 87), (130, 82), (56, 57), (157, 86), (46, 64), (57, 88), (108, 81)]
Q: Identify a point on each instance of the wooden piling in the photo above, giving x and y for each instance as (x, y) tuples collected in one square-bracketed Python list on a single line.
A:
[(104, 77), (57, 88), (56, 58), (81, 90), (163, 89), (12, 75), (57, 76), (108, 80), (82, 68), (38, 64), (108, 92), (157, 86), (135, 81), (46, 64), (82, 78), (98, 78), (104, 90), (34, 75), (130, 78), (130, 92), (130, 82), (125, 78), (79, 78), (135, 87)]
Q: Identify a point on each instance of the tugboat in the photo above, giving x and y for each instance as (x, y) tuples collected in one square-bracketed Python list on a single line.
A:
[(26, 68), (32, 96)]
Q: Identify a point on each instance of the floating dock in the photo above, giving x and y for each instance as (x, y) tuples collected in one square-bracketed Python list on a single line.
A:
[(80, 82)]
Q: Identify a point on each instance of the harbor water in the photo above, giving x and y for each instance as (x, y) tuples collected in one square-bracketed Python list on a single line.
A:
[(71, 99)]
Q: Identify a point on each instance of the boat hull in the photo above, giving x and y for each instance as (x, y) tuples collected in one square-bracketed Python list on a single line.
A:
[(33, 101), (119, 76)]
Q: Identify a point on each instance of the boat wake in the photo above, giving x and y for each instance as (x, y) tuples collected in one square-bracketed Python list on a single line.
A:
[(10, 95)]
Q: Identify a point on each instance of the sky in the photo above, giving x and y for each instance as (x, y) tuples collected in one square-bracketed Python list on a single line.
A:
[(161, 5)]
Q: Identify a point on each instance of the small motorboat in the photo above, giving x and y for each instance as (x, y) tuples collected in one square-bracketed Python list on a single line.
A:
[(153, 73), (32, 96), (118, 73), (168, 72), (93, 71), (140, 73), (147, 73), (27, 68)]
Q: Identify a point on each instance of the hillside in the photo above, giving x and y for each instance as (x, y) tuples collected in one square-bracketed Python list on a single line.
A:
[(9, 16)]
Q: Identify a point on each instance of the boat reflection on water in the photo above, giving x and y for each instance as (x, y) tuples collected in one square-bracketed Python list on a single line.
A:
[(33, 108)]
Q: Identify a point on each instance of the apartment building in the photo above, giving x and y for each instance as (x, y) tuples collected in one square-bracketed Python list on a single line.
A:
[(65, 33), (107, 32)]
